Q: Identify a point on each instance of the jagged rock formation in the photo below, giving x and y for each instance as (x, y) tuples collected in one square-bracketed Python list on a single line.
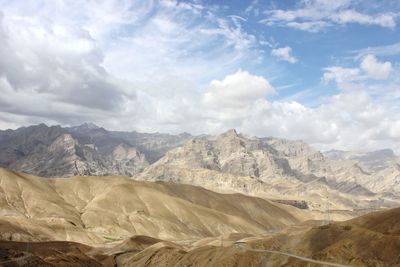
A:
[(281, 168), (230, 153), (378, 171), (83, 150), (152, 145), (265, 158)]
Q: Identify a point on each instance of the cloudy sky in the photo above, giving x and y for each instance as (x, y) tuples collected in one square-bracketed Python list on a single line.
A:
[(327, 72)]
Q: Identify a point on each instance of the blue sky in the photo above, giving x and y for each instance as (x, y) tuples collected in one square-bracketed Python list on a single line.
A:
[(314, 49), (323, 71)]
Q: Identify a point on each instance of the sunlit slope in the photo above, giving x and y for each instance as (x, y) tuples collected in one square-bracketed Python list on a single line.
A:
[(370, 240), (100, 209)]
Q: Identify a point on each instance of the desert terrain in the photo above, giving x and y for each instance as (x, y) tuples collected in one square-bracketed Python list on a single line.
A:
[(117, 221)]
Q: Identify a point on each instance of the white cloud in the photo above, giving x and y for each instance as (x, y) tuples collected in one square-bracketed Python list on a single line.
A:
[(147, 66), (316, 15), (53, 71), (386, 50), (341, 75), (369, 68), (284, 53), (87, 61), (237, 90), (310, 26), (375, 69), (351, 16)]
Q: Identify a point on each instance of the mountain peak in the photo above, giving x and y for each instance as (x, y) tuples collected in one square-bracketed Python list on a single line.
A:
[(89, 125), (230, 132)]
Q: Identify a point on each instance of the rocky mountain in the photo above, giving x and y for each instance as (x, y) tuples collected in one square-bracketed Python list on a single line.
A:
[(83, 150), (152, 145), (379, 171), (278, 168), (275, 168), (264, 158), (188, 200)]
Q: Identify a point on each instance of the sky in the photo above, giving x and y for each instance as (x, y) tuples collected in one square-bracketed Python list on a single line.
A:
[(326, 72)]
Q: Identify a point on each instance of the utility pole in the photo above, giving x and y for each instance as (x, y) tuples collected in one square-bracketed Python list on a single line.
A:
[(327, 215)]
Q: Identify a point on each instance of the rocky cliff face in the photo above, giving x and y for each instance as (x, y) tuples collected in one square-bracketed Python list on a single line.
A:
[(279, 168), (264, 158), (82, 150), (270, 159), (229, 153)]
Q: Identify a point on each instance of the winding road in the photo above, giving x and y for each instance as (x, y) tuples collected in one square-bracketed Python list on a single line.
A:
[(324, 263)]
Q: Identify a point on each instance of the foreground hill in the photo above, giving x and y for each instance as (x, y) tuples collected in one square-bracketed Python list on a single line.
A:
[(101, 209), (371, 240)]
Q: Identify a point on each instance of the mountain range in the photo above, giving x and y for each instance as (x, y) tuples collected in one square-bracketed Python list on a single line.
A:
[(275, 168), (110, 198), (83, 150)]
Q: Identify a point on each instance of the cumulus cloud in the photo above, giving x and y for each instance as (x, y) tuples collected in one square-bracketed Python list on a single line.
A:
[(374, 69), (57, 76), (284, 53), (316, 15), (237, 90), (350, 120), (369, 68)]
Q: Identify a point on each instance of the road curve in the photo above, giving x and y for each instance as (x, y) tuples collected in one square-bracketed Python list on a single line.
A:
[(325, 263)]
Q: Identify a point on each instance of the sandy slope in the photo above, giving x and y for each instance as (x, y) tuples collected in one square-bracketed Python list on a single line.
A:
[(369, 240), (132, 223), (95, 210)]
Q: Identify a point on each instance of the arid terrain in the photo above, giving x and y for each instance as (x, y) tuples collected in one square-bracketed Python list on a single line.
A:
[(117, 221), (129, 199), (230, 162), (200, 133)]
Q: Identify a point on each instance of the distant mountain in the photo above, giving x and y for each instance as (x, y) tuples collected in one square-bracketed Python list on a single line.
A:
[(277, 168), (373, 160), (265, 158), (82, 150)]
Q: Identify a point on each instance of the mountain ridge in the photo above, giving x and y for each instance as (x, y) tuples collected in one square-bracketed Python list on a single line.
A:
[(274, 166)]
